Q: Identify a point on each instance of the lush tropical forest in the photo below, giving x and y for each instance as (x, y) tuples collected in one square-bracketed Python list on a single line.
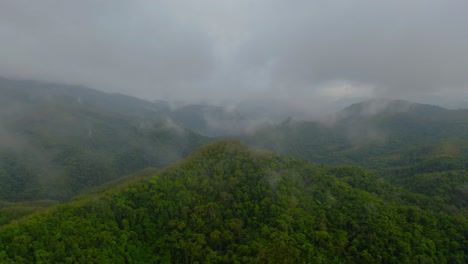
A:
[(57, 141), (90, 177), (228, 203)]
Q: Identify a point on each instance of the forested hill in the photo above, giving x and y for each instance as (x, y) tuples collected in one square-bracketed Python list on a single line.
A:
[(58, 140), (376, 107), (368, 132), (423, 148), (206, 119), (227, 203), (33, 91)]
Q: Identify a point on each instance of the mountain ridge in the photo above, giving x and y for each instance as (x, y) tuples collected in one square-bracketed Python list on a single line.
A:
[(54, 145), (229, 203)]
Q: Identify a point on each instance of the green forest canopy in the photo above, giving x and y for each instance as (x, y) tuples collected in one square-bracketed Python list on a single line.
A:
[(228, 203)]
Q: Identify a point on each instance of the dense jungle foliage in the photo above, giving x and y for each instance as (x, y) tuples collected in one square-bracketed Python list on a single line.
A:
[(380, 182), (57, 141), (229, 204)]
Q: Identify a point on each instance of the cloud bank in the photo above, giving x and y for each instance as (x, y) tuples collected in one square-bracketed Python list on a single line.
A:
[(303, 52)]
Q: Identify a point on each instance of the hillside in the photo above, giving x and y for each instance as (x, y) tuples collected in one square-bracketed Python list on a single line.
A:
[(423, 148), (368, 132), (228, 203), (58, 140)]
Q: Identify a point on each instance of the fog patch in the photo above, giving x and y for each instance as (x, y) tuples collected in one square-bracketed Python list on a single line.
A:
[(273, 178), (362, 134), (170, 124), (241, 126)]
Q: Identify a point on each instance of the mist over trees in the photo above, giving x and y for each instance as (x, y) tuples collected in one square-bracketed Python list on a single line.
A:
[(233, 131), (227, 203), (92, 177)]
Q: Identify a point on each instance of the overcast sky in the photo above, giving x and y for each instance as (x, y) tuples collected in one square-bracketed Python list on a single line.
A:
[(300, 51)]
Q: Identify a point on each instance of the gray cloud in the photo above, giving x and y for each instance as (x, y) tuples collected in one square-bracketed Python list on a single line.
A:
[(396, 46), (306, 52), (119, 46)]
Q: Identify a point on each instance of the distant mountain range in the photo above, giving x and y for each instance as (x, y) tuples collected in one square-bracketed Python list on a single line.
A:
[(93, 177), (391, 107), (57, 140), (365, 127), (206, 119)]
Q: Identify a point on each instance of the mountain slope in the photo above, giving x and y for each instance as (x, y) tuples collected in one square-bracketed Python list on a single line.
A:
[(227, 203), (423, 148), (116, 103), (56, 141), (365, 131)]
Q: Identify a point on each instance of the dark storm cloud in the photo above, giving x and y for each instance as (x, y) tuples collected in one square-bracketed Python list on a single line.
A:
[(302, 51)]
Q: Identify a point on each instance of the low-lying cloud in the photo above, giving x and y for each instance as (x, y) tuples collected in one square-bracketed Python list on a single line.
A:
[(302, 52)]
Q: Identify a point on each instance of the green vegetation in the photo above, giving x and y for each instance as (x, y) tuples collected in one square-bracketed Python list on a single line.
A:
[(58, 141), (421, 148), (11, 211), (385, 184), (227, 203)]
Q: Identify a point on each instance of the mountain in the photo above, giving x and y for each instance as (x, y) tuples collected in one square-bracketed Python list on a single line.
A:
[(423, 148), (228, 203), (203, 118), (364, 131), (92, 177), (386, 107), (116, 103), (58, 140)]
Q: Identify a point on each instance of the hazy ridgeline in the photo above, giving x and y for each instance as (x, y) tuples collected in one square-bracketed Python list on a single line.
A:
[(226, 202), (233, 131)]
